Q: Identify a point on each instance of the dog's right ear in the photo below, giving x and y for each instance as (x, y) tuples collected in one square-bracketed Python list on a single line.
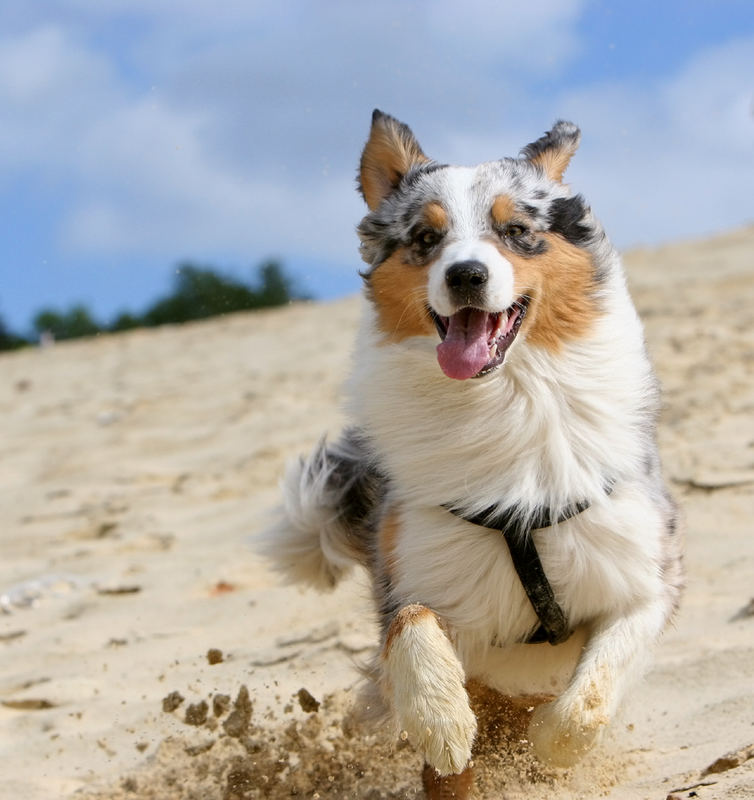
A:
[(552, 152), (388, 155)]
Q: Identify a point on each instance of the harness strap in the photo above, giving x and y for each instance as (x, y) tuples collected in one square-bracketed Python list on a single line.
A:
[(553, 626)]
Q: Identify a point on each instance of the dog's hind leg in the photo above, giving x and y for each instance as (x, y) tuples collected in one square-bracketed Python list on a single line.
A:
[(424, 681), (447, 787)]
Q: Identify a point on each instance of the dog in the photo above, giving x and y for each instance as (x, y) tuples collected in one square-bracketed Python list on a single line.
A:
[(500, 481)]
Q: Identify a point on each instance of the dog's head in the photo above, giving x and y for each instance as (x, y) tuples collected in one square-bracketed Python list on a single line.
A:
[(476, 256)]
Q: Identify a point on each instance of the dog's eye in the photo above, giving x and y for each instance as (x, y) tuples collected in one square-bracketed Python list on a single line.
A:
[(427, 238), (514, 231)]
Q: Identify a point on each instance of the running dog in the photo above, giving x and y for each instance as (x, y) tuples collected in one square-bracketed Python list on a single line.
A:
[(501, 481)]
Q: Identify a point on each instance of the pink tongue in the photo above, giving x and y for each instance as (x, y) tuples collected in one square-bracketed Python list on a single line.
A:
[(464, 351)]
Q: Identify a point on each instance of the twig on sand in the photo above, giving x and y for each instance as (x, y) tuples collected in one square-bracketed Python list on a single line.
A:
[(675, 793), (730, 760), (744, 612)]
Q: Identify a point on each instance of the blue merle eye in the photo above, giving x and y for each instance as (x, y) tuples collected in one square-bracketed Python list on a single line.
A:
[(427, 238), (514, 231)]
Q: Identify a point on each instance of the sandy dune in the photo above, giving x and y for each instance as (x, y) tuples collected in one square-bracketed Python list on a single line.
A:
[(135, 469)]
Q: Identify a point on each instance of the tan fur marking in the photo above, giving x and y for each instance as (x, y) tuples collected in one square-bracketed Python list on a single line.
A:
[(561, 284), (398, 290), (554, 162), (407, 616), (387, 157), (436, 217), (503, 209)]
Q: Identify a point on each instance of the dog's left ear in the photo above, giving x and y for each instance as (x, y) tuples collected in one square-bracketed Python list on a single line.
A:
[(552, 152), (388, 155)]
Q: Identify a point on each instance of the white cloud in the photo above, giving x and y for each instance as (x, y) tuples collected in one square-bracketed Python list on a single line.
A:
[(673, 159), (51, 89), (660, 159), (151, 185), (238, 130), (712, 100), (248, 135)]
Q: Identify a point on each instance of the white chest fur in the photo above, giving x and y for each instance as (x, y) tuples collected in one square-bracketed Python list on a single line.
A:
[(545, 430), (602, 561)]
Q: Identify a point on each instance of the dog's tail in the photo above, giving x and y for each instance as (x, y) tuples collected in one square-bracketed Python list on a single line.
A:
[(326, 521)]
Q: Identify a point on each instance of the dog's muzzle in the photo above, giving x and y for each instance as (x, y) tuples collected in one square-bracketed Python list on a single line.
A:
[(467, 282)]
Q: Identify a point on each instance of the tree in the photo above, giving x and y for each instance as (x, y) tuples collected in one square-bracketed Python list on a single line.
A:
[(49, 320), (126, 321), (200, 292), (276, 288), (72, 324)]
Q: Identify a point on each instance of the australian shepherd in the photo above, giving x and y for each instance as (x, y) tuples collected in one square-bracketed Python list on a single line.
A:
[(500, 481)]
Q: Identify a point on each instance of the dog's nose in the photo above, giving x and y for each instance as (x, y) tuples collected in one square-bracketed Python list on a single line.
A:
[(466, 279)]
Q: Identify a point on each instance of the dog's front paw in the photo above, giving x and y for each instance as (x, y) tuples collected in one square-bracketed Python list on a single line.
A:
[(562, 733), (443, 729), (428, 693)]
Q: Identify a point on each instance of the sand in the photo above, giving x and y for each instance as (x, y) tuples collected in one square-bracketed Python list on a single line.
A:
[(136, 469)]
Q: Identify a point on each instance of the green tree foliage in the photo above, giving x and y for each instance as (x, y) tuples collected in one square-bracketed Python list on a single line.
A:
[(276, 288), (126, 321), (198, 292), (71, 324)]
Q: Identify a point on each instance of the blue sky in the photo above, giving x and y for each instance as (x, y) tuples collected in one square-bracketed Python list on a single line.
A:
[(138, 133)]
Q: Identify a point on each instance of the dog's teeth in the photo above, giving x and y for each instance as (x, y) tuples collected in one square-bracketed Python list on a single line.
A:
[(493, 351)]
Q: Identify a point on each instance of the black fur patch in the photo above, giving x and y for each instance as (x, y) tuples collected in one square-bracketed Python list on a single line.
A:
[(419, 171), (566, 217), (378, 243), (527, 245), (358, 484), (536, 248)]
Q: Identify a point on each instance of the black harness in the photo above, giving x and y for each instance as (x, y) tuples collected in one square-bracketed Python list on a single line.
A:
[(516, 530)]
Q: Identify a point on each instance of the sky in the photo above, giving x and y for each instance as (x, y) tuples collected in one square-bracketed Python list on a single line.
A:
[(137, 134)]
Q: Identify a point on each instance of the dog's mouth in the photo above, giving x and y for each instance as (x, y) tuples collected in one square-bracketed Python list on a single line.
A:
[(474, 342)]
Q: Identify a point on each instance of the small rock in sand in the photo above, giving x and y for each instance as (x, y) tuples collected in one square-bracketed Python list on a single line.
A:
[(172, 701), (196, 713), (306, 701), (220, 704), (237, 723)]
